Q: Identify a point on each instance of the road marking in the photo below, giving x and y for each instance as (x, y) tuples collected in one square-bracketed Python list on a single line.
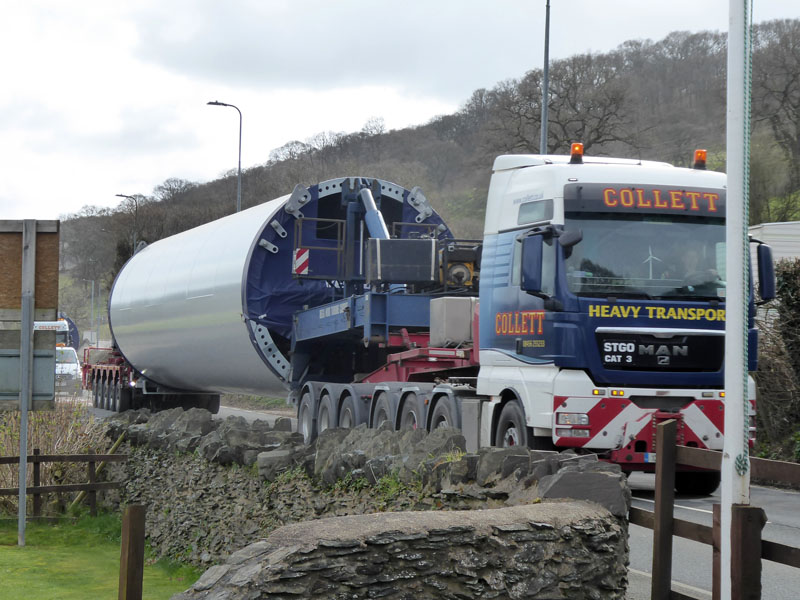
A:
[(702, 510), (685, 586)]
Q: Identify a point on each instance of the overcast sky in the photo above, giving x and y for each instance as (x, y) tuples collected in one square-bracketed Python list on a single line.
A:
[(99, 98)]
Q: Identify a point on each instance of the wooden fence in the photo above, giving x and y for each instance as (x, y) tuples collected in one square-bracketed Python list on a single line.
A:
[(746, 521), (91, 487)]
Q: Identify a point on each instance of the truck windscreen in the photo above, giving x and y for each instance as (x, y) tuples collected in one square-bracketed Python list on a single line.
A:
[(645, 255)]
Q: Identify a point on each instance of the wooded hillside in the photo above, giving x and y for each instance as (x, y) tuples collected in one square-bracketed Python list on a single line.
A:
[(654, 100)]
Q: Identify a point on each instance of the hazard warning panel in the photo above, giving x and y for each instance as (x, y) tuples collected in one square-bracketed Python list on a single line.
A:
[(300, 265)]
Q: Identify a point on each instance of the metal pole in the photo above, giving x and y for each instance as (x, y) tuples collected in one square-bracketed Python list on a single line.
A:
[(239, 172), (545, 81), (735, 458), (26, 364), (92, 321)]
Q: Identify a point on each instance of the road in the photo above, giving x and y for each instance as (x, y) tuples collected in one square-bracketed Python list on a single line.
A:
[(691, 567), (224, 411)]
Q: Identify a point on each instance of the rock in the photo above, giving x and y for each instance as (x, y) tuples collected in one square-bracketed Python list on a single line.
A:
[(606, 488), (490, 462), (195, 421), (272, 462), (283, 424), (326, 445)]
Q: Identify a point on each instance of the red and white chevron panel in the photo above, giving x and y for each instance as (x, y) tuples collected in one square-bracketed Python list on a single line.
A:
[(300, 264)]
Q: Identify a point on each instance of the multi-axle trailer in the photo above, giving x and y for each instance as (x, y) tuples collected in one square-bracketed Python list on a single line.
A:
[(592, 309)]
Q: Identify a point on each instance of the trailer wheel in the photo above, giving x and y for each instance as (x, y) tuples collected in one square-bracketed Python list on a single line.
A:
[(697, 483), (115, 390), (511, 427), (125, 395), (382, 412), (443, 415), (103, 397), (409, 416), (305, 418), (95, 391), (326, 418), (347, 415)]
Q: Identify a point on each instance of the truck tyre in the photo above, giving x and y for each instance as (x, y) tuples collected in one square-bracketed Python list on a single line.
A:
[(211, 404), (125, 396), (115, 396), (697, 483), (443, 415), (511, 427), (326, 417), (347, 414), (95, 391), (382, 412), (305, 418), (409, 415)]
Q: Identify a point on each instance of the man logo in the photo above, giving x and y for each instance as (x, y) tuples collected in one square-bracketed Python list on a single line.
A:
[(663, 351)]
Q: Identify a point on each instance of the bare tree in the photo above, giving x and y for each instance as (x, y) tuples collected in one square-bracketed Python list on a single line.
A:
[(588, 102), (776, 88)]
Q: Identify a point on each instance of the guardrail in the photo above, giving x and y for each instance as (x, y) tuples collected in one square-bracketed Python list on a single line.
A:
[(746, 521), (91, 487)]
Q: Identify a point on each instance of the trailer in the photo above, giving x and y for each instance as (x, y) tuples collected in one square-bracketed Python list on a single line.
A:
[(592, 309)]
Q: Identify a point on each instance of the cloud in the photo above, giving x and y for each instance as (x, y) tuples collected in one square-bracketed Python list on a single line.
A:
[(430, 48), (436, 48)]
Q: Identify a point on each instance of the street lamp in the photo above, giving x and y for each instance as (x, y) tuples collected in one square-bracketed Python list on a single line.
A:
[(96, 336), (239, 175), (135, 201), (545, 82)]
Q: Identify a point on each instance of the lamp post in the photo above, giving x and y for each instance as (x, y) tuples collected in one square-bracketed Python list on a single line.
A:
[(92, 321), (135, 201), (545, 82), (239, 173)]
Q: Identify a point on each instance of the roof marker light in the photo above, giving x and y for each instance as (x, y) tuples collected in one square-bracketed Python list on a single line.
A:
[(700, 159), (576, 154)]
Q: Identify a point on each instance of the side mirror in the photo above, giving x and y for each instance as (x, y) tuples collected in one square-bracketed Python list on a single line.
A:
[(766, 273), (532, 264), (570, 237)]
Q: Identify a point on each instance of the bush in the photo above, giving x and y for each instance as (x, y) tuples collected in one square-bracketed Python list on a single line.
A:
[(68, 429), (778, 375)]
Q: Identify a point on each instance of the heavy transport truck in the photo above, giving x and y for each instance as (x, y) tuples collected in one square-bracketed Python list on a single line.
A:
[(592, 309)]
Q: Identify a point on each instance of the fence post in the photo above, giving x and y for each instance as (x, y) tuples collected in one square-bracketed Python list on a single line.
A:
[(131, 564), (92, 493), (37, 481), (746, 525), (661, 587)]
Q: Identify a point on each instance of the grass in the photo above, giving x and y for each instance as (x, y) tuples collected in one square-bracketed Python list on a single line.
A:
[(272, 403), (77, 560)]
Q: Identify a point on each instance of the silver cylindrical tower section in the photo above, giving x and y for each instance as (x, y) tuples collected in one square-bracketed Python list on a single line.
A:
[(210, 309), (176, 307)]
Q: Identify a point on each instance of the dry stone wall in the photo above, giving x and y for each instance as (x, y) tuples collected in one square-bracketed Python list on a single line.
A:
[(214, 488)]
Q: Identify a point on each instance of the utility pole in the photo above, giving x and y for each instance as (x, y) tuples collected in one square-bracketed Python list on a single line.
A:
[(545, 81)]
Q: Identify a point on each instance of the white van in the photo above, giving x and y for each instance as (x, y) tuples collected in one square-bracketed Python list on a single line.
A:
[(68, 370)]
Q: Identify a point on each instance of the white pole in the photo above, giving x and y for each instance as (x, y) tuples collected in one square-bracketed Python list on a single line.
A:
[(735, 458)]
